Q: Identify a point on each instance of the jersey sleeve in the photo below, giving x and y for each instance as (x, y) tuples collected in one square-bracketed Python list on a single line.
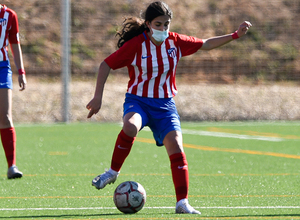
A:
[(188, 45), (123, 56), (13, 35)]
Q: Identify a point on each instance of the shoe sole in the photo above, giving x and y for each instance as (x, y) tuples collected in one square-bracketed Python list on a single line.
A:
[(103, 186), (15, 176), (180, 212)]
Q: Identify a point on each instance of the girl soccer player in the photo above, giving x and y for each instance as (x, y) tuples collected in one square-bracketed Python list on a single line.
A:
[(151, 53), (9, 33)]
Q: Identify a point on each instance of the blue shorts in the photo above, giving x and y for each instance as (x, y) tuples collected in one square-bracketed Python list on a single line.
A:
[(160, 115), (5, 75)]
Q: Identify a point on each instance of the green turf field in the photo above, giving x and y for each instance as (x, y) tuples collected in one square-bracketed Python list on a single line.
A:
[(238, 170)]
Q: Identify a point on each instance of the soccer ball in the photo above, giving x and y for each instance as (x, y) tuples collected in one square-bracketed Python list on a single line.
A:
[(129, 197)]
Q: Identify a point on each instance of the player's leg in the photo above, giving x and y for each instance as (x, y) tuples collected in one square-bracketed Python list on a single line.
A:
[(6, 108), (179, 168), (8, 134), (132, 123), (179, 165), (166, 128)]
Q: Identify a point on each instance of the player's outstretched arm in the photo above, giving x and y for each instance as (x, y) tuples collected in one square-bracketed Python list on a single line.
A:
[(215, 42), (95, 104)]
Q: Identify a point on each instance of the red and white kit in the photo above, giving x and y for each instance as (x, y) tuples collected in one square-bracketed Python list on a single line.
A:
[(152, 68), (9, 30)]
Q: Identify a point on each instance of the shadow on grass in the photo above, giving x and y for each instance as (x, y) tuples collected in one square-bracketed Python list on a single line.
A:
[(59, 216), (165, 215)]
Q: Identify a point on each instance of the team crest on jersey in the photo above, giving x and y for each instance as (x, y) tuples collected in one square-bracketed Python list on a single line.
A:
[(172, 52), (3, 21)]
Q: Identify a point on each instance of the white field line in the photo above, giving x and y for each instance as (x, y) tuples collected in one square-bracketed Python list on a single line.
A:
[(108, 208), (244, 124), (228, 135)]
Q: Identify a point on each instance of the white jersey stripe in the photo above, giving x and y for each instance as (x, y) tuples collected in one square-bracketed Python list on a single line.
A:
[(176, 58), (4, 27), (150, 88), (6, 52), (2, 51), (144, 70), (135, 72), (168, 87), (154, 59), (166, 67)]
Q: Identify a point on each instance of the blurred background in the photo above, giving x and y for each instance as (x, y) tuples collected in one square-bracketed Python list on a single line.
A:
[(256, 77)]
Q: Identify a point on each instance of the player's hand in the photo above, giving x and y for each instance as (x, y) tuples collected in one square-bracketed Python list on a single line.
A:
[(93, 106), (243, 28), (22, 82)]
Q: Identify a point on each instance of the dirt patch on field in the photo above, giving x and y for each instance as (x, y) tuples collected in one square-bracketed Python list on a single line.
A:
[(41, 102)]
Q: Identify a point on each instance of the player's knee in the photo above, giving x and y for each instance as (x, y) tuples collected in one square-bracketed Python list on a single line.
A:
[(5, 121), (130, 129)]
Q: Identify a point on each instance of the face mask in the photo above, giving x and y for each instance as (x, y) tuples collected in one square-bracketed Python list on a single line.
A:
[(160, 36)]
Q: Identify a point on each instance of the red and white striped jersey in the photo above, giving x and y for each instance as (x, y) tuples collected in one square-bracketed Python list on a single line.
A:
[(152, 68), (9, 30)]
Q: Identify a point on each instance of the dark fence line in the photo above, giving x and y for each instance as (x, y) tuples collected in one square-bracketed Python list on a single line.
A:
[(269, 52)]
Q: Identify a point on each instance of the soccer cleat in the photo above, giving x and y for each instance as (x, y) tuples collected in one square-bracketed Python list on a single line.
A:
[(105, 178), (184, 207), (13, 172)]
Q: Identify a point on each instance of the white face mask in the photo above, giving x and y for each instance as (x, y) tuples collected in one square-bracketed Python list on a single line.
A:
[(160, 36)]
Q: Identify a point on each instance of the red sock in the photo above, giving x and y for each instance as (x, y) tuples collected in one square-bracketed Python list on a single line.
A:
[(8, 138), (180, 175), (121, 151)]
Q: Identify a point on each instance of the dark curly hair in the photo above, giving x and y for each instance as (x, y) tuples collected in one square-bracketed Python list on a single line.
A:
[(134, 26)]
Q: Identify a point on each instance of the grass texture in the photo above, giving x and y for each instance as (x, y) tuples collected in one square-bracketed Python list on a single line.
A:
[(238, 170)]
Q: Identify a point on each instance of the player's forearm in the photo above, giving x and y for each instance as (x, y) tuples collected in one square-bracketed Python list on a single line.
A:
[(17, 54), (104, 70), (215, 42)]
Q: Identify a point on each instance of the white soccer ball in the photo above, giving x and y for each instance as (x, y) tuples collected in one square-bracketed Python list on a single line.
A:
[(130, 197)]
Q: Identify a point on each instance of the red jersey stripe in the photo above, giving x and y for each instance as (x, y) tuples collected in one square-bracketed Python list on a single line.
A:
[(152, 68), (159, 71), (147, 57)]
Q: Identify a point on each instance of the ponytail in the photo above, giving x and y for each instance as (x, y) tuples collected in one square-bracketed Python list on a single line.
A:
[(131, 27)]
